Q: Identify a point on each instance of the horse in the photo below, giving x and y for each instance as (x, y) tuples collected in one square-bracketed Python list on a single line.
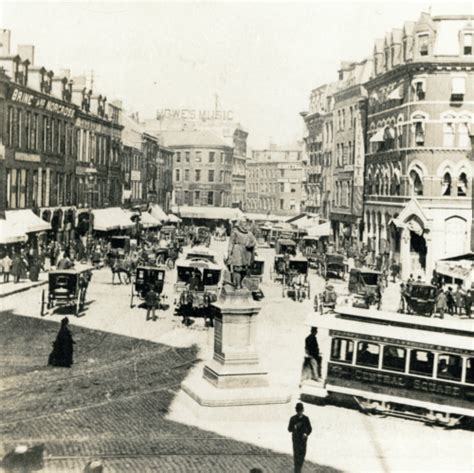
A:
[(118, 267)]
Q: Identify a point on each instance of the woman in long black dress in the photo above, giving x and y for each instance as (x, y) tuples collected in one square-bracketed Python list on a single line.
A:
[(62, 353)]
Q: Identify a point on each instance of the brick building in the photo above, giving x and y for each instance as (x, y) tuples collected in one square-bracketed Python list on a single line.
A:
[(275, 181), (421, 112), (318, 150), (202, 168)]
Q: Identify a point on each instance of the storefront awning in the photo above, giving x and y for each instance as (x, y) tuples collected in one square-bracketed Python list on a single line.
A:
[(378, 137), (28, 220), (148, 221), (11, 233), (211, 213), (113, 218), (171, 218), (157, 212), (320, 230)]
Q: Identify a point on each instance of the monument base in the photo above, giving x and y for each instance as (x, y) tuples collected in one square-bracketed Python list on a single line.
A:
[(238, 404), (235, 376)]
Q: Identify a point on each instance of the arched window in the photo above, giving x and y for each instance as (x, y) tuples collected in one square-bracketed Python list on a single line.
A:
[(462, 184), (400, 132), (416, 183), (446, 185), (448, 132), (418, 129), (463, 131)]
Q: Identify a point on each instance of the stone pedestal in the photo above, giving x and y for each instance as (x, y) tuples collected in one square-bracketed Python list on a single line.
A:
[(234, 376)]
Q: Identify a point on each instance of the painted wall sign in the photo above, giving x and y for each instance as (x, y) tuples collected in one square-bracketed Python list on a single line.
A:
[(193, 114), (33, 100)]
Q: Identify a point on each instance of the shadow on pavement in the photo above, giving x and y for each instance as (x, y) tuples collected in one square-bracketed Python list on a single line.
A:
[(112, 405)]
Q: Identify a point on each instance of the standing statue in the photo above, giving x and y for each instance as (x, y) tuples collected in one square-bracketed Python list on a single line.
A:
[(241, 252)]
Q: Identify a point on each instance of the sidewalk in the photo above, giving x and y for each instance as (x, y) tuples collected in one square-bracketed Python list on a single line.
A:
[(9, 288)]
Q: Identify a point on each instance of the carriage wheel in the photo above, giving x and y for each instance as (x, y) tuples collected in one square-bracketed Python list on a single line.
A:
[(131, 298), (43, 302), (309, 291), (77, 306)]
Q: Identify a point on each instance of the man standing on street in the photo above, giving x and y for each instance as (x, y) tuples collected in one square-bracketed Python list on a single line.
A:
[(300, 428), (312, 353)]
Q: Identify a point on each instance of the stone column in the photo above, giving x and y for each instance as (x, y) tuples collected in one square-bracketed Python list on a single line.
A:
[(405, 257), (234, 376)]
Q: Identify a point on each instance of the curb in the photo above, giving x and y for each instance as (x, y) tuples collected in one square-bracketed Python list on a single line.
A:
[(23, 289)]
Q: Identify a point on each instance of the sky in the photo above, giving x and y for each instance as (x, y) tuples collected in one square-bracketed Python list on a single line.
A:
[(261, 59)]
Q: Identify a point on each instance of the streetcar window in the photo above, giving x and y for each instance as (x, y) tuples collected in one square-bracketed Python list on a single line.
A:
[(470, 370), (421, 362), (342, 350), (394, 358), (449, 367), (368, 354)]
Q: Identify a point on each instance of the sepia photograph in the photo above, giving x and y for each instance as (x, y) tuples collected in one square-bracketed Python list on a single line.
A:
[(236, 236)]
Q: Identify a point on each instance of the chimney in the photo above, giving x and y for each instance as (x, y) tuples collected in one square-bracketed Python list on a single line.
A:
[(59, 84), (4, 42), (27, 51)]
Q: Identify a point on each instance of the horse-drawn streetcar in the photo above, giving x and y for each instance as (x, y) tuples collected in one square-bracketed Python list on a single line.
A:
[(395, 364)]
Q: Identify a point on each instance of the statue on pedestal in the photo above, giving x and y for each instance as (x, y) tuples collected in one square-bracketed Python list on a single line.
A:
[(241, 252)]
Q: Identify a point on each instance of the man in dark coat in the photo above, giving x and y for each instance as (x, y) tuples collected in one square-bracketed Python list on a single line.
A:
[(300, 428), (312, 353), (151, 302), (62, 354)]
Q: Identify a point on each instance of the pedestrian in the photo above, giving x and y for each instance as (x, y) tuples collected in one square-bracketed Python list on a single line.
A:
[(7, 267), (16, 269), (468, 301), (459, 299), (450, 301), (411, 279), (441, 303), (300, 428), (402, 306), (151, 302), (63, 350), (312, 354)]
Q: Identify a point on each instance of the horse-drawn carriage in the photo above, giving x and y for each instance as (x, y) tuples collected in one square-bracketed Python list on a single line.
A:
[(254, 278), (168, 233), (364, 283), (420, 298), (333, 266), (66, 287), (295, 282), (202, 236), (120, 245), (146, 278), (284, 250), (198, 285)]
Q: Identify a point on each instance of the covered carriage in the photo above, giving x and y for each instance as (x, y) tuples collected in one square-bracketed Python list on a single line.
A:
[(146, 278)]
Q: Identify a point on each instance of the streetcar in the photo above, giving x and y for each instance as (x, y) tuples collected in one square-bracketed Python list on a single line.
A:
[(394, 364)]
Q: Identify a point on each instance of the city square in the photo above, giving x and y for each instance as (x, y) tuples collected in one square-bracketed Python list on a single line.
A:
[(187, 287)]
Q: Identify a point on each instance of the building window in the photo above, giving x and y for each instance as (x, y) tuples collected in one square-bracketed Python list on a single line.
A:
[(197, 198), (467, 44), (222, 158), (222, 174), (457, 89), (211, 175), (178, 157), (210, 198), (418, 132), (198, 156), (448, 134), (186, 174), (462, 185), (416, 183), (463, 133), (446, 187), (282, 204), (197, 175), (187, 156), (419, 86), (449, 367), (212, 155), (423, 44), (421, 362), (178, 175)]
